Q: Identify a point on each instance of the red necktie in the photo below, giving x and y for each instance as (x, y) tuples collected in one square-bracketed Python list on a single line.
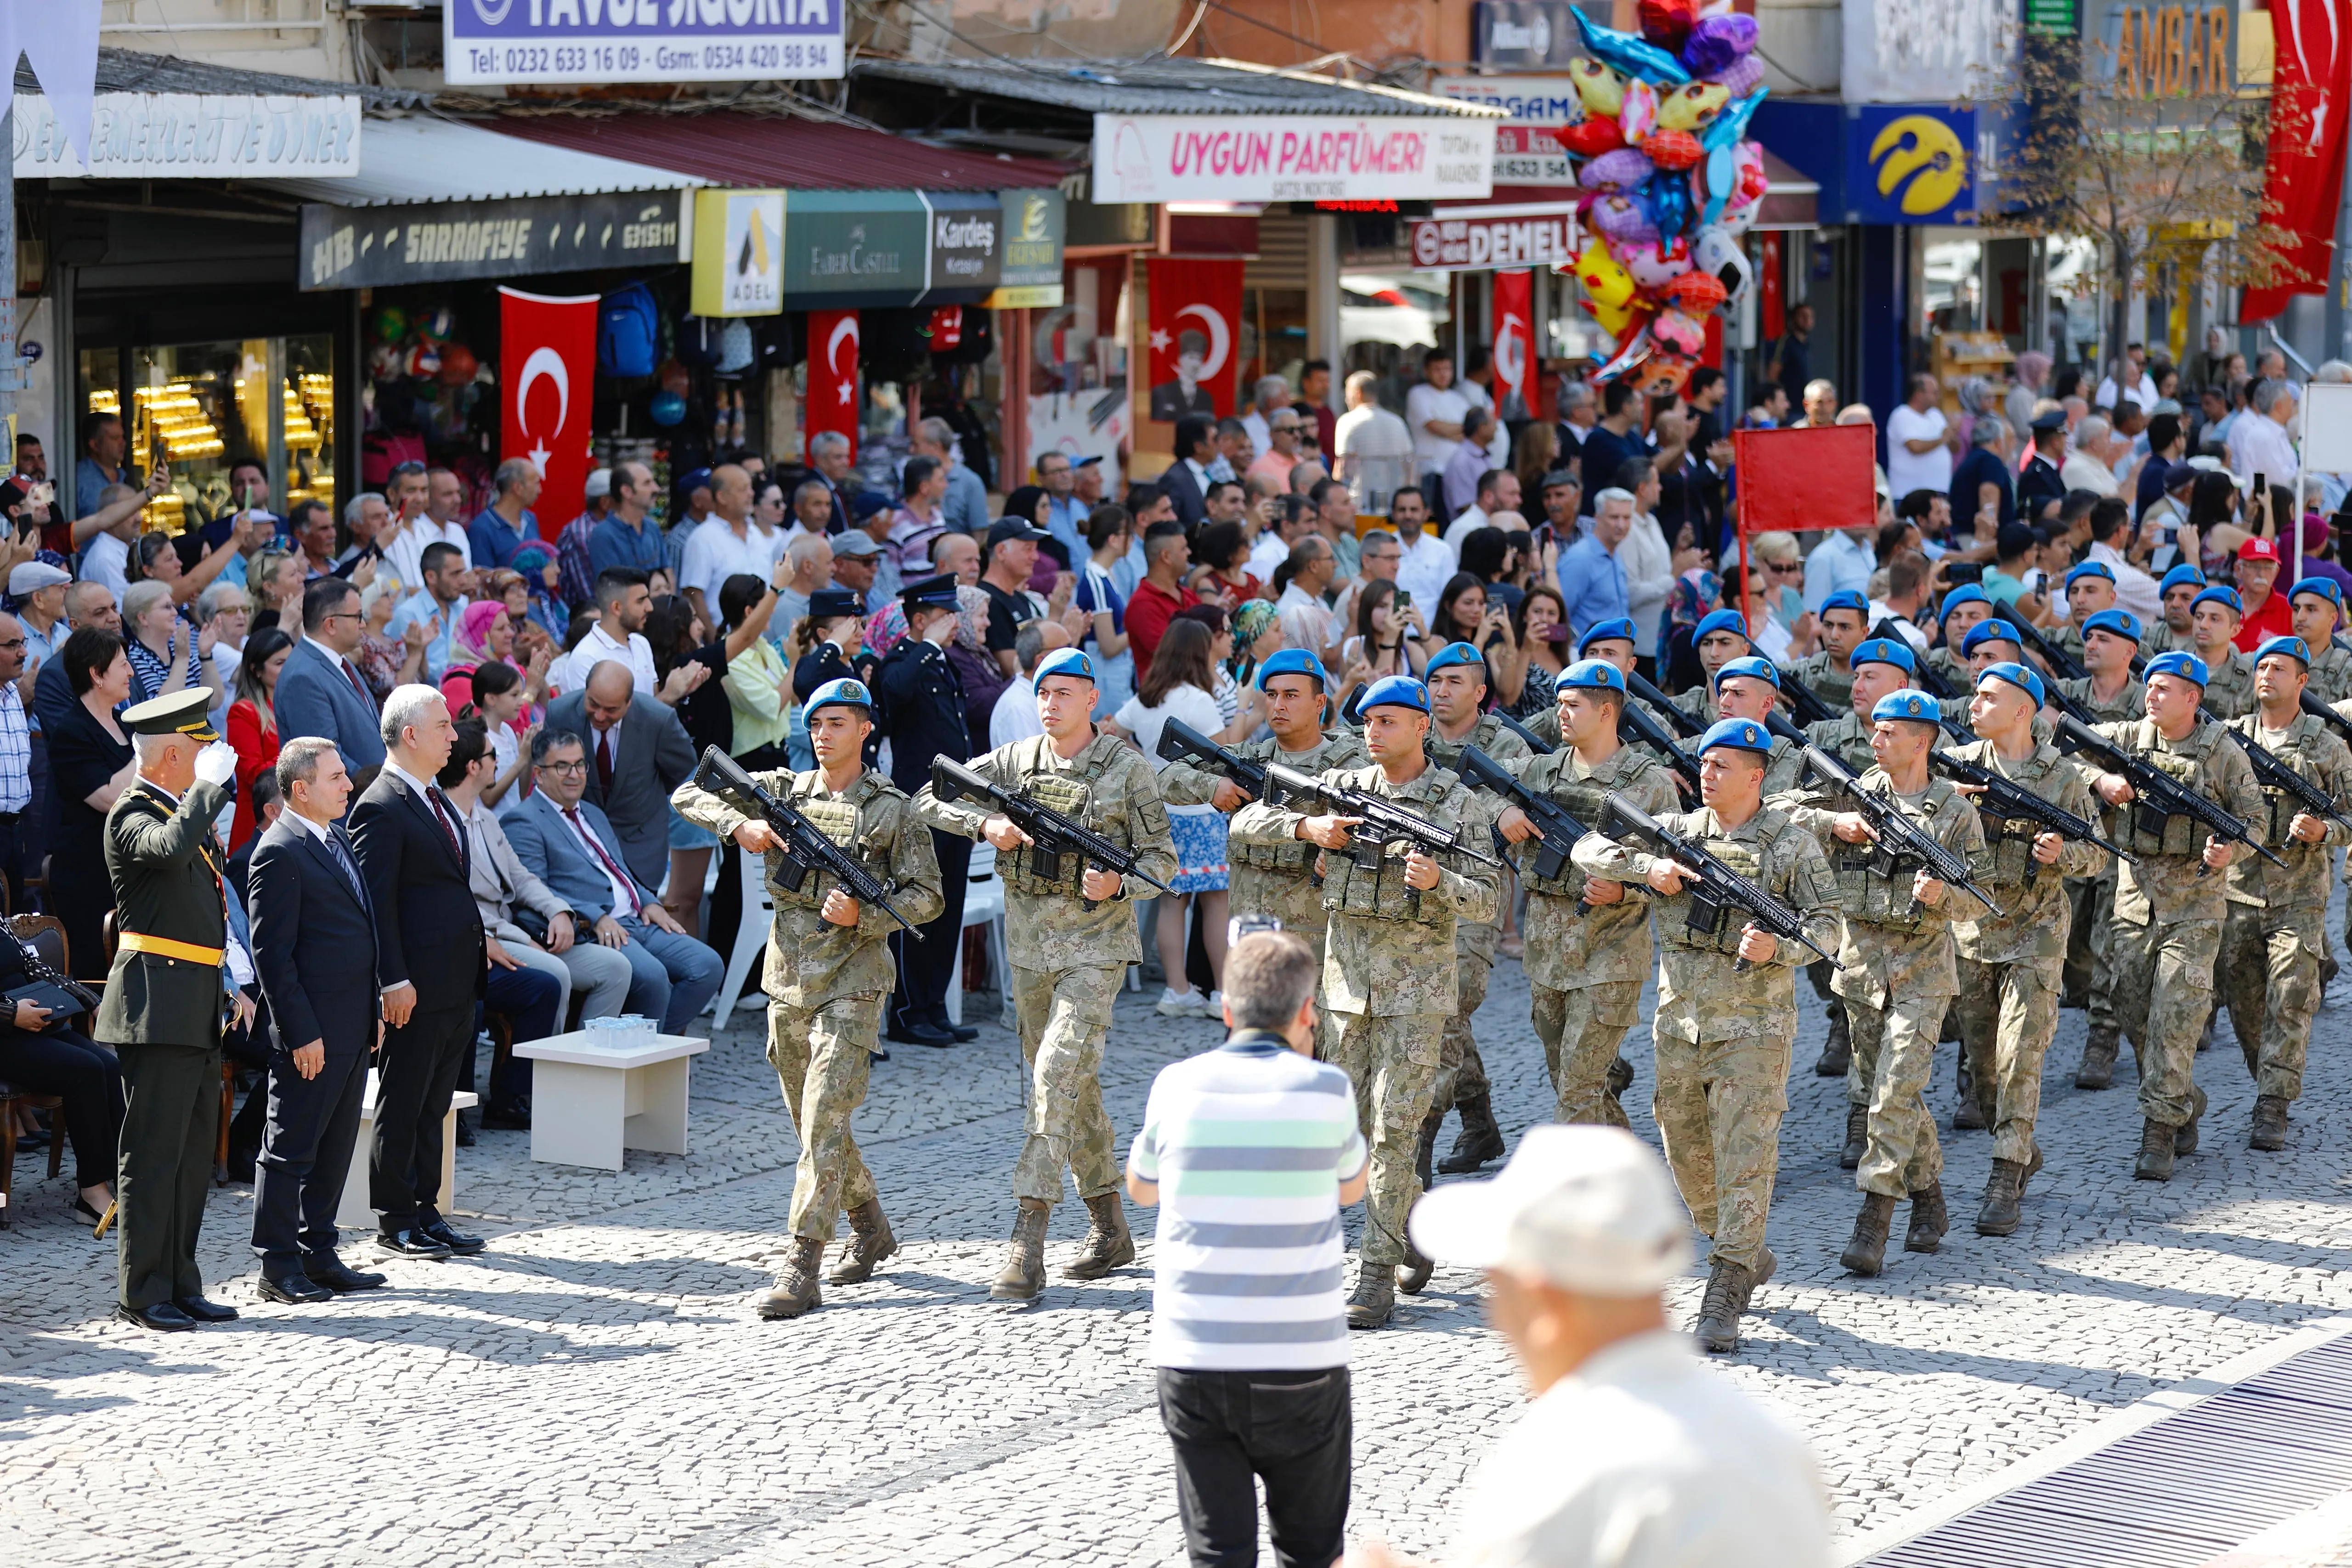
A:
[(357, 684), (604, 761), (636, 904), (449, 824)]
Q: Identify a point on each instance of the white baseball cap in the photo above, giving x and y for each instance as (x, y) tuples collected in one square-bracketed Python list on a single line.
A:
[(1585, 1208)]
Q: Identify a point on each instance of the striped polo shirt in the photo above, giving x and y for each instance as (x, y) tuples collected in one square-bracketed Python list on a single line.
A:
[(1249, 1143)]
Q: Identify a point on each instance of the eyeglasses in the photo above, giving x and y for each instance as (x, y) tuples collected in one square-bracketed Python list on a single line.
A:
[(13, 643), (342, 615), (577, 765)]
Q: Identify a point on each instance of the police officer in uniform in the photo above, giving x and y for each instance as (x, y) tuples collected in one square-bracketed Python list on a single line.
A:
[(923, 702), (161, 1010), (825, 663)]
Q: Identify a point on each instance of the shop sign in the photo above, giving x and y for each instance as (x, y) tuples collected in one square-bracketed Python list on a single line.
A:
[(967, 231), (484, 41), (1929, 51), (1535, 109), (739, 253), (2169, 50), (1290, 158), (874, 245), (437, 242), (1910, 163), (1522, 33), (1508, 237), (1029, 275), (194, 136)]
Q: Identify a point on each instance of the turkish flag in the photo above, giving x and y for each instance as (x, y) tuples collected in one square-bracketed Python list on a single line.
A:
[(1196, 313), (2310, 81), (547, 376), (833, 374), (1515, 342)]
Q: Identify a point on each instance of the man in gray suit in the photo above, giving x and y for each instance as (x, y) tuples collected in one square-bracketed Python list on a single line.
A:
[(319, 691), (638, 753)]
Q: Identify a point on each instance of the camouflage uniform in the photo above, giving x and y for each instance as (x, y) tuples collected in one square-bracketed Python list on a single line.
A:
[(1846, 737), (1461, 1071), (2010, 966), (1723, 1037), (2276, 929), (826, 983), (2067, 638), (1898, 974), (1826, 674), (1068, 961), (1699, 702), (1389, 978), (1784, 770), (2230, 693), (2160, 638), (2331, 673), (2090, 968), (2167, 921), (1946, 661), (1271, 874), (1585, 971)]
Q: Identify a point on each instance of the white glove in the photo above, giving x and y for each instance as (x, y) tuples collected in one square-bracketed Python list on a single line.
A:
[(217, 763)]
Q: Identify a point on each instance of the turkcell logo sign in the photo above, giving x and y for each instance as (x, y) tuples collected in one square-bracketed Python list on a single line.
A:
[(1910, 163), (491, 41)]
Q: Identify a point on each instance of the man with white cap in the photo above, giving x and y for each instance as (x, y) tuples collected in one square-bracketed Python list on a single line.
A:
[(1631, 1452)]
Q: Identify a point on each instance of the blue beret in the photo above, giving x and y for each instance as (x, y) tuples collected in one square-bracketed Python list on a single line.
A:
[(2292, 647), (2017, 676), (2115, 622), (1742, 734), (1618, 631), (1294, 661), (1729, 621), (2184, 573), (2324, 587), (1395, 691), (1983, 631), (2185, 665), (1453, 653), (1593, 675), (1071, 661), (2220, 593), (842, 694), (1884, 651), (1752, 667), (1847, 599), (1910, 705), (2097, 569), (1967, 593)]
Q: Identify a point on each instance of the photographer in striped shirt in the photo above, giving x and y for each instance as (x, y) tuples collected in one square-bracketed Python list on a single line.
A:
[(1250, 1151)]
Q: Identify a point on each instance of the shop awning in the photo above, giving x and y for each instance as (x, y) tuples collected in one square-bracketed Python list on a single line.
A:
[(1792, 200), (776, 151), (423, 160)]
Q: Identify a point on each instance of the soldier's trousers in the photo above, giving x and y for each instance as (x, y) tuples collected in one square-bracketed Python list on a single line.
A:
[(1718, 1107), (1065, 1017), (1393, 1063), (1461, 1072), (821, 1056), (2164, 994), (1899, 1042), (2009, 1014), (1581, 1030), (2091, 943), (171, 1124), (2269, 975)]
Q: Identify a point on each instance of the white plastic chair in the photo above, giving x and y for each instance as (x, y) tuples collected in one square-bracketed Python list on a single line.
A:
[(751, 936), (983, 905)]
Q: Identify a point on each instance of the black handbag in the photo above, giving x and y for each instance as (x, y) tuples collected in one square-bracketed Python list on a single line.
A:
[(62, 1003), (531, 923)]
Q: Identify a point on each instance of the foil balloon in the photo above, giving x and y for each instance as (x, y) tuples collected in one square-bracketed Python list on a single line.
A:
[(1718, 41), (1624, 218), (1628, 54), (1661, 374), (1628, 357), (1680, 333), (1657, 264), (1599, 89), (1732, 123), (1606, 280), (1742, 76), (1738, 219), (1718, 253), (458, 365), (1668, 198), (1667, 23), (1693, 106), (1695, 292), (1613, 318), (386, 363), (1591, 136), (1622, 169), (1638, 115), (1674, 150), (424, 362)]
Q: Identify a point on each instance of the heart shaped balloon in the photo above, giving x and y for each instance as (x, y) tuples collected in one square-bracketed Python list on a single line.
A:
[(1667, 23), (1591, 137)]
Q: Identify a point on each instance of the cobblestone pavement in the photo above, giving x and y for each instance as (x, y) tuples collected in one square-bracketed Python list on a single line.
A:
[(596, 1386)]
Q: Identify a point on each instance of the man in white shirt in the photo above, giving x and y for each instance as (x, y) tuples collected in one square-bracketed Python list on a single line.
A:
[(623, 600), (725, 544), (1920, 442), (2090, 465), (2137, 385), (106, 558), (1426, 564), (411, 497), (1270, 394), (1371, 446), (1433, 411), (1631, 1452), (2259, 443), (1499, 491), (1840, 563), (2111, 530), (1907, 595)]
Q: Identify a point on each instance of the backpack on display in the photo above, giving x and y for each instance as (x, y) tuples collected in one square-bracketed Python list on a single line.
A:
[(628, 332)]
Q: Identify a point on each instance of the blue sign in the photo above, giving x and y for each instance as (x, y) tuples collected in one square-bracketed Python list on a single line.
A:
[(492, 41), (1910, 163)]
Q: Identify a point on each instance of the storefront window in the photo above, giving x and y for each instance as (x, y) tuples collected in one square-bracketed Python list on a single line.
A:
[(1388, 319)]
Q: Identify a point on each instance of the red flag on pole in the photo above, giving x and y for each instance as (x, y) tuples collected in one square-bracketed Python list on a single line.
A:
[(2310, 81), (1196, 312), (547, 374), (1515, 338), (833, 374)]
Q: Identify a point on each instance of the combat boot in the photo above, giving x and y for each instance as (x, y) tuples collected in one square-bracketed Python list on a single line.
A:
[(2098, 1069), (2154, 1163), (1413, 1274), (870, 1242), (1998, 1216), (1837, 1051), (1425, 1149), (1929, 1220), (1727, 1290), (1375, 1297), (2270, 1123), (2032, 1167), (1866, 1253), (1024, 1274), (1620, 1077), (1481, 1140), (1971, 1115), (1108, 1243), (796, 1288), (2184, 1137), (1857, 1137)]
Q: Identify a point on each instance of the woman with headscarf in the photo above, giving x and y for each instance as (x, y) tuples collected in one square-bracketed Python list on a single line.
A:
[(536, 562), (1977, 402), (1695, 595), (486, 635), (1257, 637), (985, 679), (2033, 371)]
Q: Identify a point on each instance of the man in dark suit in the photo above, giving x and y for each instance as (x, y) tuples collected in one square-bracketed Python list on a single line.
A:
[(1185, 482), (1185, 395), (164, 998), (923, 697), (314, 945), (433, 966), (2038, 483), (319, 691), (638, 753)]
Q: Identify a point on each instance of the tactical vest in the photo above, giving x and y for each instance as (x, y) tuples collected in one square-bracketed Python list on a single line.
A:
[(1068, 794), (789, 884), (2179, 835), (1873, 895), (1378, 893), (2011, 847), (2281, 806), (1685, 922), (1585, 800)]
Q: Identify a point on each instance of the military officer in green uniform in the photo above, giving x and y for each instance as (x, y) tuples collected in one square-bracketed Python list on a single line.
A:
[(2214, 617), (2114, 696), (2317, 606), (1964, 609), (165, 995), (2169, 633), (1749, 688), (1828, 670), (1718, 638)]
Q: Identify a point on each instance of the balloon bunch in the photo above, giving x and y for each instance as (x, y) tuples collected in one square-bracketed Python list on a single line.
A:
[(1668, 184), (419, 347)]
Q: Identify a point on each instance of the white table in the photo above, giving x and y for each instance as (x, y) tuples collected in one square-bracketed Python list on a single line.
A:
[(354, 1213), (590, 1100)]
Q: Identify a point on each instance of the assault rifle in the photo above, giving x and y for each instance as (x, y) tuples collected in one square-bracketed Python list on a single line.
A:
[(1536, 743), (1807, 704), (1718, 889), (1380, 821), (2006, 802), (1052, 835), (1684, 725), (2159, 796), (1636, 724), (2054, 659), (1179, 742), (2270, 768), (806, 847), (1898, 838), (1557, 829)]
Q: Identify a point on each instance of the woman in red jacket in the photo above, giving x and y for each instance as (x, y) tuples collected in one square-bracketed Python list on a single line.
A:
[(253, 723)]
